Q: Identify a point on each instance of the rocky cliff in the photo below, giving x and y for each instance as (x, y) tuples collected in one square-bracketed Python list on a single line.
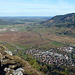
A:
[(14, 65)]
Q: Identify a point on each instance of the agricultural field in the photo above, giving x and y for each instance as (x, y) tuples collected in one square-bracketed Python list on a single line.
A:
[(30, 32), (34, 36)]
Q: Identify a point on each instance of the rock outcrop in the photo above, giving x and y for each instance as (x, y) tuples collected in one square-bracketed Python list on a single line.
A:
[(14, 65)]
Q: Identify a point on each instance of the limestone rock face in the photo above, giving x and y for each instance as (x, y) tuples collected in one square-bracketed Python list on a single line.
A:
[(8, 52), (19, 71), (14, 65), (9, 66)]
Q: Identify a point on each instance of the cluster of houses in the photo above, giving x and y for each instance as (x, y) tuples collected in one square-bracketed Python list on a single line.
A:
[(2, 30), (13, 29), (66, 49), (52, 57)]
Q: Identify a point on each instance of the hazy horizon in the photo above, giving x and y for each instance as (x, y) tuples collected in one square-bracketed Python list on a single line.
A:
[(36, 7)]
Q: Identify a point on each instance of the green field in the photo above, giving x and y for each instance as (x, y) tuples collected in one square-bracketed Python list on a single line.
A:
[(59, 44)]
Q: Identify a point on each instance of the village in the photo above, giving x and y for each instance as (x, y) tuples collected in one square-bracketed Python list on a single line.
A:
[(52, 56)]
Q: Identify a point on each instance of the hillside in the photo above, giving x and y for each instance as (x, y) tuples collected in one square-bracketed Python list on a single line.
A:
[(67, 20), (14, 65)]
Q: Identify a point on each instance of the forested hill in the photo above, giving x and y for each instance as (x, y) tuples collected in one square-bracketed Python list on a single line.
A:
[(67, 20)]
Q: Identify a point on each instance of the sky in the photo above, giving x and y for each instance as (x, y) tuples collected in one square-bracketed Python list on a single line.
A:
[(36, 7)]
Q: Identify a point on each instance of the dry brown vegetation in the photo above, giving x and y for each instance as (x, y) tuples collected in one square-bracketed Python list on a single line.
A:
[(32, 39)]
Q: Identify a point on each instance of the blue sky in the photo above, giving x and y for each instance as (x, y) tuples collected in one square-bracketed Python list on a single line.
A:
[(36, 7)]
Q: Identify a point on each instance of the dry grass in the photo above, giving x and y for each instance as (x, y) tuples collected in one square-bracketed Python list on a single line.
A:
[(61, 39), (31, 39)]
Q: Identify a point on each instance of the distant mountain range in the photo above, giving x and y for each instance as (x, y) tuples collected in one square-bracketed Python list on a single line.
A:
[(67, 20), (21, 20)]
